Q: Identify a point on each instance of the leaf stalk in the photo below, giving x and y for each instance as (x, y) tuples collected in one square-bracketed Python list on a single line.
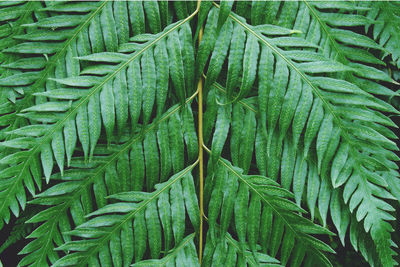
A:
[(201, 163)]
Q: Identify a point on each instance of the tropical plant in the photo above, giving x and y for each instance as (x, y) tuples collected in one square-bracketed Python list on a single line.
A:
[(249, 133)]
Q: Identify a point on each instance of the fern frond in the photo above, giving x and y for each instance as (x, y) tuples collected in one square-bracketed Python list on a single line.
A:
[(94, 107), (144, 214), (134, 164), (258, 193), (40, 74), (315, 109), (346, 55)]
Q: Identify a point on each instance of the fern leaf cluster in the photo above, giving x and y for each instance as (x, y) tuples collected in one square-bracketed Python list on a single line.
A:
[(113, 112)]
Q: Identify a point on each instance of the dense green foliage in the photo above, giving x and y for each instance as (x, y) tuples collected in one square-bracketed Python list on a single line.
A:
[(99, 132)]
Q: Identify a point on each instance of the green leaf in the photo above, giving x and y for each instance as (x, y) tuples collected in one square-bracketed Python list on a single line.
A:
[(120, 91), (250, 59), (34, 48), (19, 79), (161, 61), (94, 117), (185, 37), (350, 37), (149, 85), (151, 159), (234, 60), (189, 132), (56, 22), (176, 143), (176, 66), (221, 132), (135, 91), (219, 54), (323, 138), (65, 94), (226, 7), (108, 109)]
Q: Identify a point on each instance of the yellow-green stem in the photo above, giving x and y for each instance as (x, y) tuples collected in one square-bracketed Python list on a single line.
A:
[(201, 167)]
